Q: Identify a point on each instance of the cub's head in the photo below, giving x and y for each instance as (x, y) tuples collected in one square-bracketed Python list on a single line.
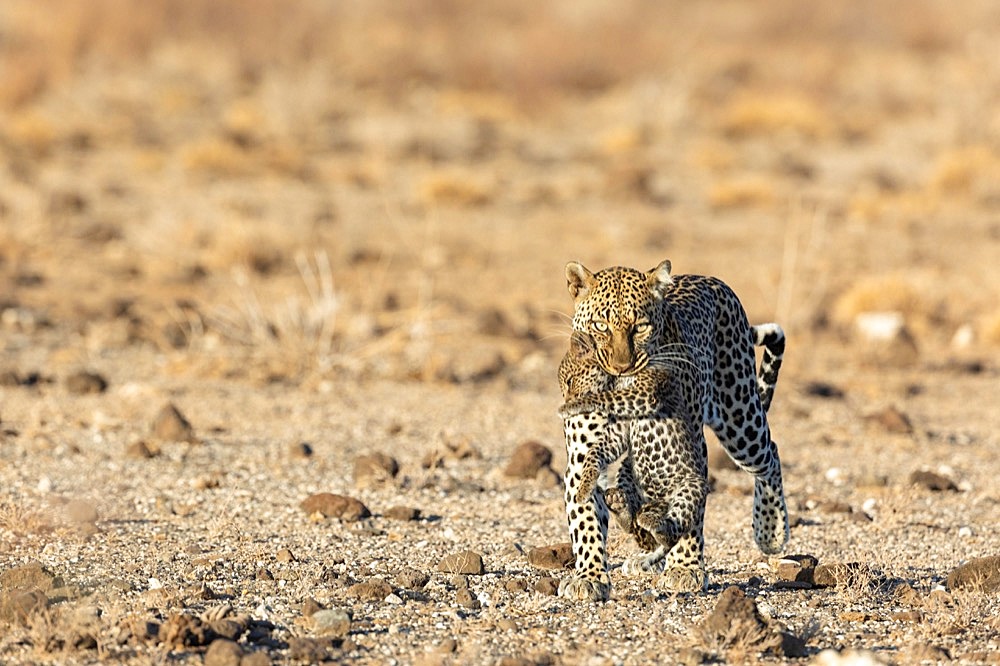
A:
[(579, 372), (617, 308)]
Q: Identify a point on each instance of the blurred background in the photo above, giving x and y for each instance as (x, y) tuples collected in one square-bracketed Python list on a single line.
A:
[(290, 190)]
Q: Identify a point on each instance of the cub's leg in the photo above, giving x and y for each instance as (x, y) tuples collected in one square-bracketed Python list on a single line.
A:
[(588, 519), (684, 566)]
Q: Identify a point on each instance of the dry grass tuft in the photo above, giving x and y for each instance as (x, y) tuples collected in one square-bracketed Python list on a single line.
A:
[(753, 115), (887, 293), (21, 521), (742, 192), (456, 188)]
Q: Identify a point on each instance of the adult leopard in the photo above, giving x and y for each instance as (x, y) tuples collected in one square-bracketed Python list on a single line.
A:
[(696, 326)]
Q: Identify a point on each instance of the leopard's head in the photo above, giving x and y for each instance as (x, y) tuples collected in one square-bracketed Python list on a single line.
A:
[(618, 308), (579, 372)]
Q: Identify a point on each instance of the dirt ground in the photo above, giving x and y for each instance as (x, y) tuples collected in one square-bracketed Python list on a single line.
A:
[(325, 231)]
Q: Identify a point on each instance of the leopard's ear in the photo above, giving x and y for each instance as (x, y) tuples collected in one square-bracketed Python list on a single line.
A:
[(578, 280), (660, 280)]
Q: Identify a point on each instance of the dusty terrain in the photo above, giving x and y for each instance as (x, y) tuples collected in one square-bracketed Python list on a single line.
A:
[(325, 232)]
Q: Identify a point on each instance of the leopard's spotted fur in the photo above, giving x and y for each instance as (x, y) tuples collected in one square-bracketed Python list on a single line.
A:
[(695, 327)]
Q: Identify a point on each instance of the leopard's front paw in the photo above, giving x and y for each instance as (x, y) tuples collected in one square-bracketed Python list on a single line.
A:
[(682, 579), (614, 497), (574, 407), (580, 588)]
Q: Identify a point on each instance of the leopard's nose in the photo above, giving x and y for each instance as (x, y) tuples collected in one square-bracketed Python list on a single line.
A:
[(620, 367)]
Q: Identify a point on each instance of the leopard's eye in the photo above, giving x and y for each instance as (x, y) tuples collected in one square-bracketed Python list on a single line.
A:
[(643, 327), (600, 326)]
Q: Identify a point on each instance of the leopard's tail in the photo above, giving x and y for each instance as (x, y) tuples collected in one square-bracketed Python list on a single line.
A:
[(772, 338)]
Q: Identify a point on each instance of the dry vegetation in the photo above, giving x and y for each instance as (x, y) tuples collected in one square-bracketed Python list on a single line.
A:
[(345, 224)]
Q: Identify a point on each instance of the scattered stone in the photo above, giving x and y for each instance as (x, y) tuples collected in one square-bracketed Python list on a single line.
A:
[(31, 576), (450, 449), (310, 606), (465, 598), (856, 616), (83, 382), (691, 656), (527, 460), (547, 585), (908, 616), (375, 589), (933, 481), (922, 653), (981, 574), (223, 652), (335, 622), (892, 420), (310, 650), (835, 506), (556, 556), (374, 468), (447, 646), (792, 646), (796, 568), (142, 449), (822, 389), (256, 659), (181, 631), (284, 555), (905, 594), (405, 513), (515, 585), (411, 579), (466, 562), (507, 624), (459, 582), (733, 608), (335, 506), (263, 574), (301, 450), (18, 604), (170, 425)]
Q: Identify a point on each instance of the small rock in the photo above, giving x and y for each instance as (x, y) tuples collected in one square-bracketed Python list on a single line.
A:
[(142, 449), (301, 450), (375, 589), (309, 650), (18, 605), (170, 425), (310, 606), (83, 382), (527, 460), (447, 646), (402, 513), (981, 574), (905, 594), (836, 574), (506, 624), (856, 616), (892, 420), (792, 646), (335, 506), (908, 616), (223, 652), (922, 653), (256, 659), (411, 579), (547, 585), (798, 568), (335, 622), (466, 562), (822, 389), (284, 555), (933, 481), (459, 582), (515, 585), (835, 506), (556, 556), (466, 599), (374, 468)]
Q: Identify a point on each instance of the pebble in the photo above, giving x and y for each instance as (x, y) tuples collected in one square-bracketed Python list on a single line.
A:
[(547, 585), (170, 425), (374, 468), (223, 652), (84, 382), (556, 556), (142, 449), (375, 589), (979, 574), (301, 450), (411, 579), (466, 599), (330, 505), (466, 562), (334, 622), (933, 481), (891, 420), (405, 513), (527, 460)]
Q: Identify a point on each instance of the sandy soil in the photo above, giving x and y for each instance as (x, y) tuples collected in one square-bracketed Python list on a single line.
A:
[(316, 256)]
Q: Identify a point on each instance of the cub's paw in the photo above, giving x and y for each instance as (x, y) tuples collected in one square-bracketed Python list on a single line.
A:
[(682, 579), (615, 499), (574, 407), (642, 565), (578, 588)]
